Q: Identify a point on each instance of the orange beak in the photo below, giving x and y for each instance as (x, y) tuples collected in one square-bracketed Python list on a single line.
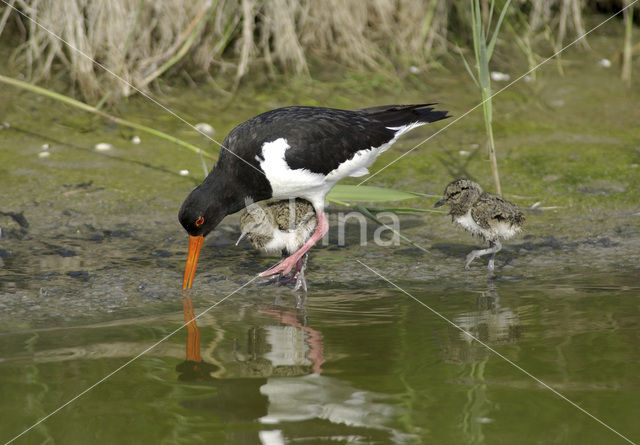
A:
[(195, 243)]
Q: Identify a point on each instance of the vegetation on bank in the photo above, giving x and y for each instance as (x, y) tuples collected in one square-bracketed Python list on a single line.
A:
[(222, 41)]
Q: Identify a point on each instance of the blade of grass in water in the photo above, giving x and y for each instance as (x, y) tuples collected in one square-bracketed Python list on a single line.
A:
[(86, 107), (367, 193)]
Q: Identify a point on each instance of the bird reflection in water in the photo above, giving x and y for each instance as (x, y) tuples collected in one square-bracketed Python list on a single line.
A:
[(494, 325), (275, 378), (193, 369)]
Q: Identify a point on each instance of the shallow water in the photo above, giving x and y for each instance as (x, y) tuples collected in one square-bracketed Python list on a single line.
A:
[(92, 256), (360, 363)]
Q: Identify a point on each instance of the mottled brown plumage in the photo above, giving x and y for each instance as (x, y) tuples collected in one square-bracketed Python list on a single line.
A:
[(280, 227), (489, 216)]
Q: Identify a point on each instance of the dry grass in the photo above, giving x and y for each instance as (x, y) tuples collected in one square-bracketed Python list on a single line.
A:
[(140, 40)]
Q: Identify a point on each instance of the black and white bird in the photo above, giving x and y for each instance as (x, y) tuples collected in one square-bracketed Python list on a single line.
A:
[(489, 216), (281, 227), (293, 152)]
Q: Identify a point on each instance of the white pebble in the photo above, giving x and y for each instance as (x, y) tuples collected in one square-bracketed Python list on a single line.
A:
[(414, 69), (44, 154), (45, 146), (499, 77), (135, 140), (103, 146), (464, 153), (474, 146), (5, 125), (528, 78), (184, 172), (205, 128), (605, 63)]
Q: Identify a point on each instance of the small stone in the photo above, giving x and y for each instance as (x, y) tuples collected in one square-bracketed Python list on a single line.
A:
[(135, 140), (464, 153), (103, 146), (528, 78), (499, 77), (604, 63), (44, 154), (45, 147), (414, 69), (205, 128), (184, 172)]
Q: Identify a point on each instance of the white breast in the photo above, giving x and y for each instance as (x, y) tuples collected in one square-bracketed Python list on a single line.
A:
[(469, 224), (497, 229)]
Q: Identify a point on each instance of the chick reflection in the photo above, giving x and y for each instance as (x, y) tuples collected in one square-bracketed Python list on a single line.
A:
[(493, 325)]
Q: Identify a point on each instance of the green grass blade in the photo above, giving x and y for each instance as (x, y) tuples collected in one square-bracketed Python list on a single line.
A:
[(88, 108), (406, 210), (490, 19), (466, 65), (367, 193), (370, 215), (426, 195), (494, 37)]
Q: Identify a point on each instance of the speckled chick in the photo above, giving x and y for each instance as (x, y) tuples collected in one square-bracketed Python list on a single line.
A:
[(280, 227), (489, 216)]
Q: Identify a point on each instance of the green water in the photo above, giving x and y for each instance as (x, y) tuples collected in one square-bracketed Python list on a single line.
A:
[(363, 363), (92, 279)]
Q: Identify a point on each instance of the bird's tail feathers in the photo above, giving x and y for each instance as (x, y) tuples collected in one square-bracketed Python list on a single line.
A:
[(403, 115)]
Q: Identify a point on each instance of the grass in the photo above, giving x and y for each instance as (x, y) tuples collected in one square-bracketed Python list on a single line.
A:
[(222, 42), (627, 48), (483, 46)]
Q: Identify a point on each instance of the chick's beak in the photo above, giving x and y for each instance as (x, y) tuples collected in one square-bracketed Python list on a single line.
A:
[(440, 203), (195, 243)]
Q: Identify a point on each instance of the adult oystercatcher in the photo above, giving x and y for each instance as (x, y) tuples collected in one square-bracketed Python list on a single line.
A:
[(481, 213), (281, 227), (293, 152)]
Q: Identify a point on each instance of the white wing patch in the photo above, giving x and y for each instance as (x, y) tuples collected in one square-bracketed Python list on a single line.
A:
[(285, 182), (303, 183)]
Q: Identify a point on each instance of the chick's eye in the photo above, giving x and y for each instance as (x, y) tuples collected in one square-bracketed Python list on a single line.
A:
[(200, 221)]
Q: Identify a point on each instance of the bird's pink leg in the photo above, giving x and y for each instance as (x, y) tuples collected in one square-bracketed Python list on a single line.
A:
[(287, 264)]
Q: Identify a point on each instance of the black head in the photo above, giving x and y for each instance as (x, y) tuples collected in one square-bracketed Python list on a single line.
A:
[(201, 212), (460, 196)]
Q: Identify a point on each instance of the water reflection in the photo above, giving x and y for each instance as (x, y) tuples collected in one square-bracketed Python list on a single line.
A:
[(493, 325), (193, 369), (277, 380)]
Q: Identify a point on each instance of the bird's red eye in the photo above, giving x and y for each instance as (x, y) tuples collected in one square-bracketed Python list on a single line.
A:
[(200, 221)]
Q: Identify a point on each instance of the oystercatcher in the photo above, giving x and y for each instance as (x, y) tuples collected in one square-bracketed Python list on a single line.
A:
[(293, 152), (281, 227), (481, 213)]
